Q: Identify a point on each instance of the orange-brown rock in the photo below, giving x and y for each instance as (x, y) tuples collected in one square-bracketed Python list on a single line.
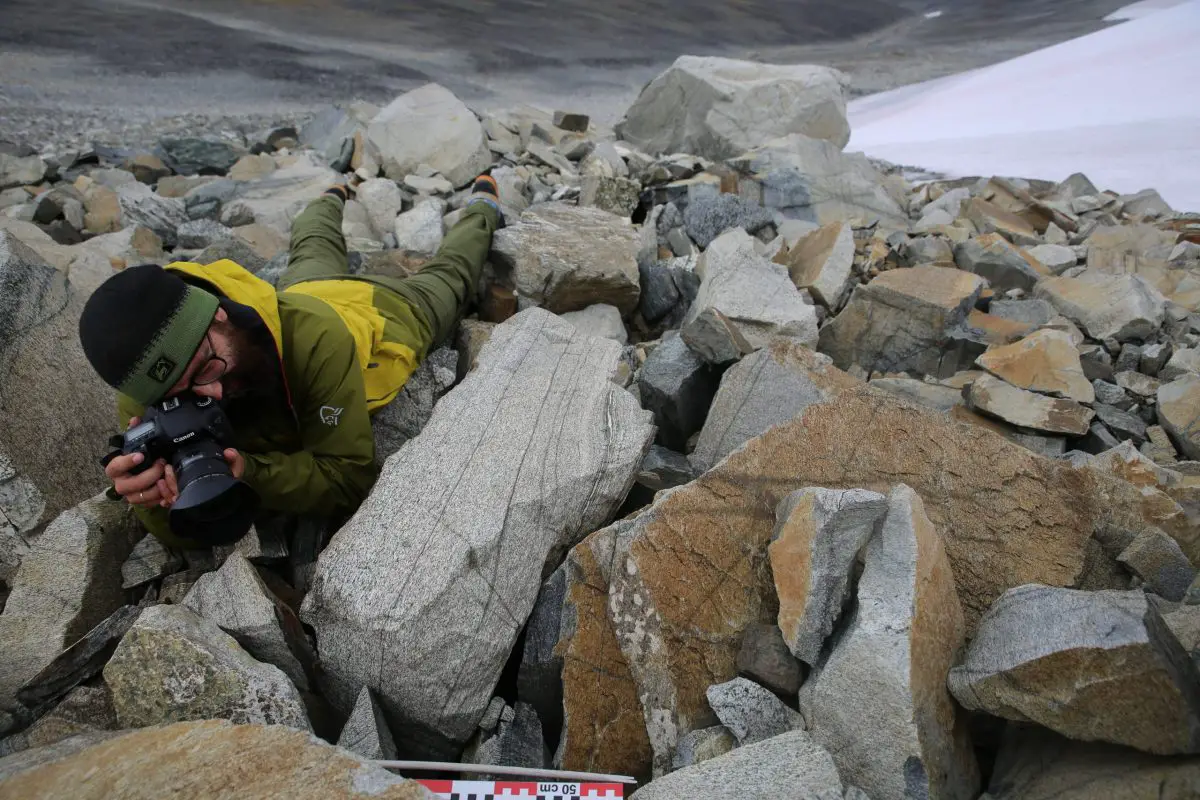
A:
[(1045, 362), (603, 728), (697, 572), (990, 218), (200, 759)]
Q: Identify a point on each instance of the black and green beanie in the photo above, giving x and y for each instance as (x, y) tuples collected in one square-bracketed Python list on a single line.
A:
[(141, 327)]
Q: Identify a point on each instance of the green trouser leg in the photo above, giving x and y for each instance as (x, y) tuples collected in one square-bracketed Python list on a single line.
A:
[(442, 289), (318, 248)]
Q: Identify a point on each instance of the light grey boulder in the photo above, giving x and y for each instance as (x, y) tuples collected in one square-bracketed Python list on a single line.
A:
[(173, 665), (818, 535), (429, 125), (1035, 312), (1178, 408), (141, 206), (1121, 307), (533, 450), (813, 180), (383, 202), (908, 740), (751, 712), (791, 765), (754, 294), (236, 599), (1055, 257), (600, 320), (53, 439), (420, 230), (567, 258), (1092, 666), (406, 416), (994, 258), (676, 385), (366, 732), (715, 338), (277, 199), (20, 170), (149, 561), (201, 233), (768, 387), (720, 107), (902, 320), (68, 582)]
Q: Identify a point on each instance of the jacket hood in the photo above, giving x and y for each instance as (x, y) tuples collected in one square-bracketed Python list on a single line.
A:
[(241, 286)]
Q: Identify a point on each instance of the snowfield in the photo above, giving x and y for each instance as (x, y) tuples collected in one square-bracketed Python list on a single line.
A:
[(1121, 105)]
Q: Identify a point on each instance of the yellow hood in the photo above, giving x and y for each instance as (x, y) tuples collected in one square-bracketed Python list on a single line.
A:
[(241, 286)]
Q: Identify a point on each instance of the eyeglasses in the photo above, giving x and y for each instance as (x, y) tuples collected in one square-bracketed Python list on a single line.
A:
[(213, 369)]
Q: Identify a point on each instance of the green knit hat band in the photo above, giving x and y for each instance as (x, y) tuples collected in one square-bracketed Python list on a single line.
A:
[(167, 355)]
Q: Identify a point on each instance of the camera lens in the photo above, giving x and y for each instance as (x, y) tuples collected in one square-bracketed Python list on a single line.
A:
[(213, 506)]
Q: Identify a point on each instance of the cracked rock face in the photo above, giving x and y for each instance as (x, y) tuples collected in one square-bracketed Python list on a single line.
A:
[(536, 448), (1093, 666), (907, 740)]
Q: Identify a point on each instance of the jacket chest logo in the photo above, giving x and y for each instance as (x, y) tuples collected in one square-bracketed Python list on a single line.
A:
[(331, 415)]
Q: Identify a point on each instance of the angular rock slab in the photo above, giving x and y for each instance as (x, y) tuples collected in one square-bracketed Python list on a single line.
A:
[(430, 126), (1028, 409), (696, 574), (908, 740), (1179, 413), (237, 600), (175, 666), (754, 294), (54, 438), (1005, 267), (901, 320), (534, 449), (821, 262), (1093, 666), (1122, 307), (768, 387), (751, 712), (366, 732), (816, 542), (195, 759), (149, 561), (720, 107), (1036, 764), (68, 583), (790, 765), (567, 258), (1045, 361), (676, 385)]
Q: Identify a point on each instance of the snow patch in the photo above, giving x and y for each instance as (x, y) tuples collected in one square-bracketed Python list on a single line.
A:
[(1143, 9), (1121, 105), (933, 14)]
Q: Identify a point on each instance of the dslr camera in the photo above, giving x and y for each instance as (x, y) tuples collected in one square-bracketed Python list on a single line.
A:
[(191, 433)]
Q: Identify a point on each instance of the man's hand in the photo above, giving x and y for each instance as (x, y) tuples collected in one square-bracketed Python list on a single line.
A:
[(154, 487), (236, 461)]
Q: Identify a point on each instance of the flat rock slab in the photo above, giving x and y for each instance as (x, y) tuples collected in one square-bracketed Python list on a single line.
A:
[(770, 386), (1045, 361), (720, 107), (821, 262), (908, 740), (816, 542), (1093, 666), (751, 712), (567, 258), (175, 666), (1028, 409), (193, 759), (1005, 266), (901, 320), (80, 661), (422, 594), (790, 765), (1121, 307)]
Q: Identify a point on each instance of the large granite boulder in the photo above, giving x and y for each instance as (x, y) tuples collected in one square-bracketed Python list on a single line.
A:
[(720, 107), (1122, 307), (1094, 666), (567, 258), (901, 641), (429, 125), (52, 437), (175, 666), (200, 759), (533, 450), (69, 582)]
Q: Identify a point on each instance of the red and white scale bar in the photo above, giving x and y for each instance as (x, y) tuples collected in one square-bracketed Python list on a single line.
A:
[(523, 790)]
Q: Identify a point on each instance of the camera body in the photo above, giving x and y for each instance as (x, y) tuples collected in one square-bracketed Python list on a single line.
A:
[(191, 434)]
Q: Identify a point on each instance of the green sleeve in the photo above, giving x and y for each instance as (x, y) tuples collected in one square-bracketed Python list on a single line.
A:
[(335, 470)]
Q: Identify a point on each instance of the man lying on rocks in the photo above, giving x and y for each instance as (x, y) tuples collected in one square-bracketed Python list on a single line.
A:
[(299, 370)]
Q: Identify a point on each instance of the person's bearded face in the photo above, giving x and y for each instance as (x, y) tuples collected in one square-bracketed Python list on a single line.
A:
[(225, 366)]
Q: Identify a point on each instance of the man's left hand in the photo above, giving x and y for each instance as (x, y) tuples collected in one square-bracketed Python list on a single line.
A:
[(168, 486), (237, 462)]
